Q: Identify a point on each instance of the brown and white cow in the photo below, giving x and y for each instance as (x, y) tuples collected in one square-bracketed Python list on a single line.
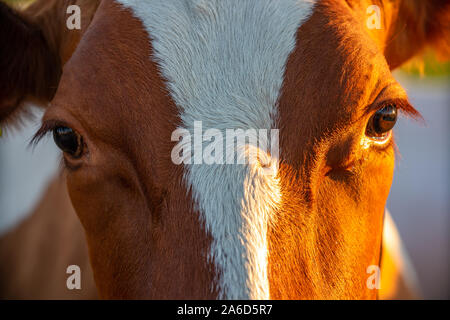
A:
[(141, 70)]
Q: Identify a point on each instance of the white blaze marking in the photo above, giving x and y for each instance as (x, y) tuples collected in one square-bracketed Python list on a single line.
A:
[(224, 63)]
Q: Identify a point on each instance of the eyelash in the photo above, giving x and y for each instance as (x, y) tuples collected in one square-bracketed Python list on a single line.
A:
[(47, 128)]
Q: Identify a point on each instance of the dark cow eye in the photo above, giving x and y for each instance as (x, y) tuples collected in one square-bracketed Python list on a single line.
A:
[(382, 122), (68, 141)]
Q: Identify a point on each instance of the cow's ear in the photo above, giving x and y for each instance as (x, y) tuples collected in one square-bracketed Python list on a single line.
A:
[(415, 25), (29, 68)]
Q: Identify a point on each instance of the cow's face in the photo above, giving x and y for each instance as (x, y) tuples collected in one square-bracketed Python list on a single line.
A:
[(304, 222)]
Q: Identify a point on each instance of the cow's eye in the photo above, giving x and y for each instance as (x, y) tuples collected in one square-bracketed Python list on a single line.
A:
[(68, 141), (382, 122)]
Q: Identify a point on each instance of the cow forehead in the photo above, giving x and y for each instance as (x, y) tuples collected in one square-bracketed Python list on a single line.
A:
[(219, 52), (224, 62)]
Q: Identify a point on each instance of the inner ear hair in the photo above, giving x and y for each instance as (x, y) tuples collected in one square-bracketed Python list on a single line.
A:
[(29, 69)]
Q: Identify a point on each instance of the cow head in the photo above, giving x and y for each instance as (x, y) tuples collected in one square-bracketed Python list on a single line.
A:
[(303, 222)]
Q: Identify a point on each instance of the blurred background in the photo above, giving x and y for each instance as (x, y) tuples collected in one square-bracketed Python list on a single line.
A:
[(419, 200)]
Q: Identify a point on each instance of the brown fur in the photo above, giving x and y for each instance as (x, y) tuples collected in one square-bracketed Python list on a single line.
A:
[(329, 227)]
